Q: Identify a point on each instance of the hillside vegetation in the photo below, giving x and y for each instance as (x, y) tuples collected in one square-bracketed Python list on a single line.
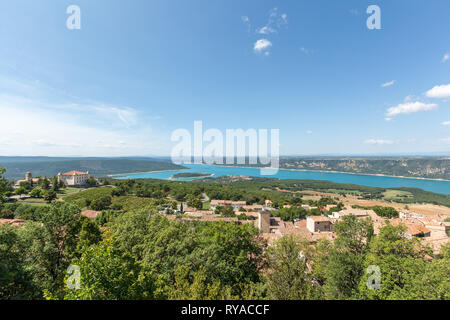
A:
[(130, 252), (425, 167), (404, 195), (98, 167)]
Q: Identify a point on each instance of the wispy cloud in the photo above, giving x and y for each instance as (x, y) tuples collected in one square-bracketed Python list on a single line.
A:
[(309, 132), (388, 84), (246, 21), (127, 115), (446, 123), (445, 57), (40, 121), (442, 91), (276, 20), (274, 23), (305, 50), (378, 142), (410, 107), (266, 30)]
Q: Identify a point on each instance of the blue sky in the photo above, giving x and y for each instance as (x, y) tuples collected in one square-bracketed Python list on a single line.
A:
[(138, 70)]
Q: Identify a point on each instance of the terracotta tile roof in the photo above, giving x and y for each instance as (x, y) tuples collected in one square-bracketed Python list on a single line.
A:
[(415, 230), (319, 218), (301, 223), (12, 222), (74, 172), (91, 214)]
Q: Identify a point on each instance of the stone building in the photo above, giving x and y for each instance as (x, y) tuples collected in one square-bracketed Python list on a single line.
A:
[(74, 178), (319, 224)]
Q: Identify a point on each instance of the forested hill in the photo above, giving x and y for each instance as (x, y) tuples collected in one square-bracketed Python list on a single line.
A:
[(426, 167), (98, 167)]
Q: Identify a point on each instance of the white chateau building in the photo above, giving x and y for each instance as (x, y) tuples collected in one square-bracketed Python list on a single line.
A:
[(74, 178)]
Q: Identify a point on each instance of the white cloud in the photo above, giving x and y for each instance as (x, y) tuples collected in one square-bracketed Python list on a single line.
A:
[(309, 132), (442, 91), (41, 121), (410, 107), (388, 119), (245, 18), (445, 57), (378, 142), (388, 84), (446, 140), (446, 123), (261, 45)]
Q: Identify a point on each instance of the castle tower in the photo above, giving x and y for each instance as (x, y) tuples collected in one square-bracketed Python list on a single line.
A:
[(28, 177), (264, 221)]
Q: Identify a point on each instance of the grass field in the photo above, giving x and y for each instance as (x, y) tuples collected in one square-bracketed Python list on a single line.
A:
[(206, 205), (392, 195), (89, 194), (33, 201), (129, 203), (70, 190)]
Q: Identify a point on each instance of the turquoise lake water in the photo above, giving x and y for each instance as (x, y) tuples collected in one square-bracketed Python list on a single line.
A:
[(365, 180)]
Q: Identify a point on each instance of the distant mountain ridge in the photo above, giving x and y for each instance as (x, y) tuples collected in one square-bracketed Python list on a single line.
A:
[(98, 167), (426, 167), (412, 167)]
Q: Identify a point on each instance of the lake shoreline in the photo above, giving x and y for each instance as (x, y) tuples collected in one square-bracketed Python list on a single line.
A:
[(124, 175), (206, 175), (285, 169), (440, 186), (333, 171)]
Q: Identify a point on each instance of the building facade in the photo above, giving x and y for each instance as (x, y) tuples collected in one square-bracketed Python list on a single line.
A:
[(74, 178), (319, 224)]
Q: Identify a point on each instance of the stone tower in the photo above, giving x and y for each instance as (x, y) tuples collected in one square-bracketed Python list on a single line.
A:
[(264, 221)]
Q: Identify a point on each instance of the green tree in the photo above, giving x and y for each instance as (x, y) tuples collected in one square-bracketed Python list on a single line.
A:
[(92, 182), (48, 245), (190, 285), (387, 212), (105, 275), (321, 259), (44, 183), (195, 202), (101, 203), (5, 186), (15, 279), (26, 185), (400, 261), (227, 253), (225, 211), (36, 193), (288, 277), (6, 214), (49, 196), (20, 191), (346, 258), (55, 184)]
